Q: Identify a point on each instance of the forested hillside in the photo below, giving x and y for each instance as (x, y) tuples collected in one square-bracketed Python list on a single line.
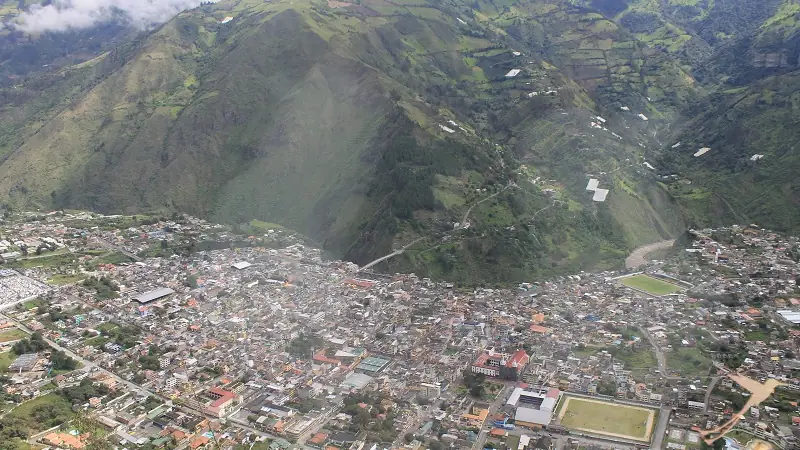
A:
[(463, 133)]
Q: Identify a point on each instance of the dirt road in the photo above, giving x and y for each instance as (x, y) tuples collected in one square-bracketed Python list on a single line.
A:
[(638, 257)]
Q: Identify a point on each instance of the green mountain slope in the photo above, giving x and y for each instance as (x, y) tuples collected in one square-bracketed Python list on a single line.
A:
[(367, 127), (749, 175)]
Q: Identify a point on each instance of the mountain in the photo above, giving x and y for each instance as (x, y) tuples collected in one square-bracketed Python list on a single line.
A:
[(462, 133)]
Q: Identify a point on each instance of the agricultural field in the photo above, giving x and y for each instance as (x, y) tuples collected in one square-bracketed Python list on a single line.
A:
[(595, 416), (652, 286)]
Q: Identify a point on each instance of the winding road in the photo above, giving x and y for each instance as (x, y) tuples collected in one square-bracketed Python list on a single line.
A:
[(462, 226)]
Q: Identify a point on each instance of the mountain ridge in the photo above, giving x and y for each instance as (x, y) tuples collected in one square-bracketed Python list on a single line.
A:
[(373, 124)]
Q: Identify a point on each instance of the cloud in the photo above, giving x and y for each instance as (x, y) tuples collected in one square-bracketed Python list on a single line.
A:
[(62, 15)]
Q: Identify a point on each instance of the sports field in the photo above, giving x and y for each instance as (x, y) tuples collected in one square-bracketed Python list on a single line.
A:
[(652, 286), (610, 419)]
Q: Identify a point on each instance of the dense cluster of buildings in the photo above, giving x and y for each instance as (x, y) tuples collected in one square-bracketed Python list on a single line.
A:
[(262, 332)]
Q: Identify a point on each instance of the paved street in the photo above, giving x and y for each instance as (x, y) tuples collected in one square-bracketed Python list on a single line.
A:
[(661, 427), (496, 404)]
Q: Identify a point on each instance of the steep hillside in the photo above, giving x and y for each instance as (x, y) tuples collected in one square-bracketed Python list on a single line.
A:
[(749, 174), (465, 134)]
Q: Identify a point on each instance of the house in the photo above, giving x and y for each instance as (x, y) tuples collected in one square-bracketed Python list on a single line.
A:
[(477, 414), (318, 440), (342, 439), (64, 440)]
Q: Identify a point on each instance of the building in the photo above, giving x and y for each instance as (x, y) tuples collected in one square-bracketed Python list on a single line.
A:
[(430, 390), (64, 440), (372, 365), (791, 317), (534, 408), (25, 363), (477, 414), (153, 295), (356, 381), (219, 402), (501, 365)]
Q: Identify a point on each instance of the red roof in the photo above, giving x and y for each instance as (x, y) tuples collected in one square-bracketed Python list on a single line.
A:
[(318, 438), (224, 396), (518, 359), (320, 357), (202, 440)]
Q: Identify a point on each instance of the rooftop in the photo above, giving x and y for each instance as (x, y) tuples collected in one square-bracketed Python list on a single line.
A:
[(156, 294)]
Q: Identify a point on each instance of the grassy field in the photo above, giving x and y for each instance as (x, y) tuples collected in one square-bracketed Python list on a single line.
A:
[(688, 361), (13, 334), (6, 358), (641, 358), (61, 279), (607, 418), (59, 407), (652, 286), (30, 304)]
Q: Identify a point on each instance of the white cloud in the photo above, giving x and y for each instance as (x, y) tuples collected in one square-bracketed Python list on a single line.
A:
[(63, 15)]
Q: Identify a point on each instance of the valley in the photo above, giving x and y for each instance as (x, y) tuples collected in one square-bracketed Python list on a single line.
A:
[(450, 139)]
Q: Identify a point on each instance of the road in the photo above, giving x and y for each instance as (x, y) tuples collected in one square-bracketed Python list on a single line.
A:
[(412, 426), (638, 256), (89, 365), (390, 255), (711, 385), (661, 428), (660, 356), (115, 248), (86, 363), (462, 226), (498, 402), (465, 219)]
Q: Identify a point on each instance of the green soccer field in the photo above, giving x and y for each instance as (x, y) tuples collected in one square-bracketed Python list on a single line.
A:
[(652, 286), (608, 418)]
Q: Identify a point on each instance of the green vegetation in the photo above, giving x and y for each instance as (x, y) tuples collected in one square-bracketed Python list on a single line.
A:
[(12, 335), (302, 346), (33, 416), (475, 383), (124, 335), (689, 362), (339, 137), (637, 358), (103, 287), (377, 171), (62, 279), (6, 358), (652, 286), (603, 417), (35, 344)]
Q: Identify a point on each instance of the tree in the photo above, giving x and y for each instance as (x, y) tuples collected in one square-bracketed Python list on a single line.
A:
[(362, 417), (719, 444), (191, 281)]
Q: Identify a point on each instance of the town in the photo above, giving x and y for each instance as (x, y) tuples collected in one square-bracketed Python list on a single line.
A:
[(173, 332)]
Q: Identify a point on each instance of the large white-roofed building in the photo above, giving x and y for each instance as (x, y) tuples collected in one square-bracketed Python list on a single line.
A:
[(153, 295), (534, 408)]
